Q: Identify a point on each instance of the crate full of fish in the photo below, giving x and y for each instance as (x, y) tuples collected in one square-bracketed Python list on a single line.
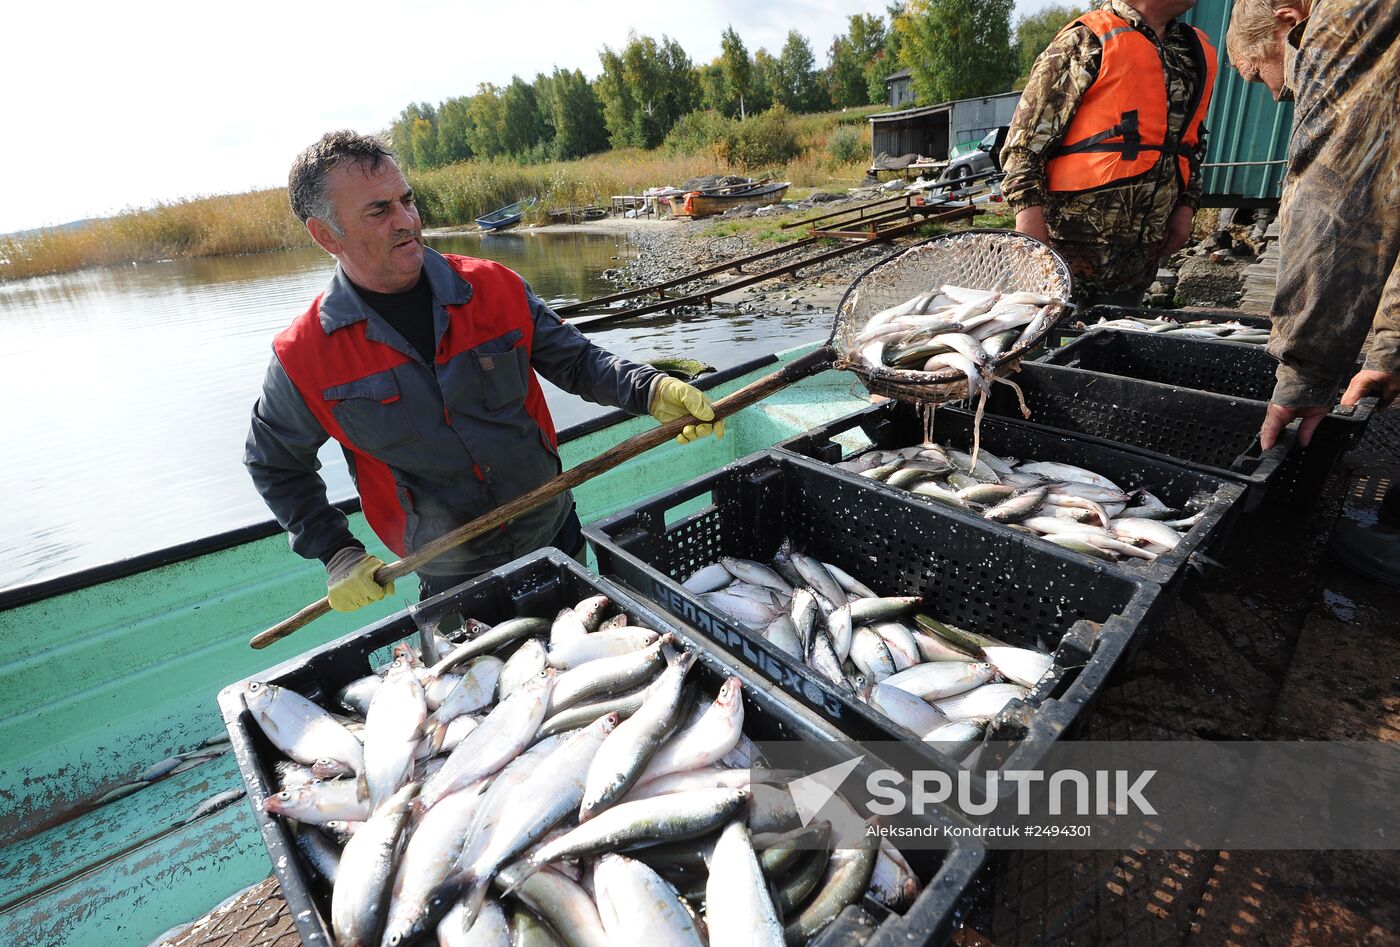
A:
[(1242, 371), (886, 616), (565, 761), (1217, 434), (1148, 515)]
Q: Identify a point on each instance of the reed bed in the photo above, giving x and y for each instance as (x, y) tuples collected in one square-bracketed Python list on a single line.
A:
[(452, 196)]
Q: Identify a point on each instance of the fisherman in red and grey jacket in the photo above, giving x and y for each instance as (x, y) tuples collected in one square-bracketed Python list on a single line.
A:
[(423, 367)]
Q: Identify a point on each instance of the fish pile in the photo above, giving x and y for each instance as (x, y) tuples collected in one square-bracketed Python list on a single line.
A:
[(951, 327), (560, 779), (936, 680), (1069, 506), (1196, 329)]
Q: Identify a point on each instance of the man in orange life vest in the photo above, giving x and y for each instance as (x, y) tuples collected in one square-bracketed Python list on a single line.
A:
[(423, 367), (1103, 155)]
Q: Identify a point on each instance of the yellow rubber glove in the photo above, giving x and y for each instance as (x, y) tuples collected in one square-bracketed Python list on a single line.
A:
[(350, 580), (675, 399)]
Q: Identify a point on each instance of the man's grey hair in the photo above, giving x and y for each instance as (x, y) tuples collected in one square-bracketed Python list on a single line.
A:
[(306, 185)]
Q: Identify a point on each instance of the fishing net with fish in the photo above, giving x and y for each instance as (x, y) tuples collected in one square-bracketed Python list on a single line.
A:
[(1000, 261)]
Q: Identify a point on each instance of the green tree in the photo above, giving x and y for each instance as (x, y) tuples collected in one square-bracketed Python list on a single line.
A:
[(423, 144), (850, 55), (763, 79), (711, 80), (484, 110), (1034, 33), (737, 71), (681, 87), (797, 85), (543, 87), (956, 48), (522, 128), (401, 131), (644, 88), (454, 130), (578, 117)]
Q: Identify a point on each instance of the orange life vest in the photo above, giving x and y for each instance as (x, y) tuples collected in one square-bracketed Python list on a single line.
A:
[(1120, 126)]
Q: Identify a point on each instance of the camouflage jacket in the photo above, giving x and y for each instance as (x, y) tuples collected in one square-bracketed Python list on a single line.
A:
[(1338, 274), (1110, 236)]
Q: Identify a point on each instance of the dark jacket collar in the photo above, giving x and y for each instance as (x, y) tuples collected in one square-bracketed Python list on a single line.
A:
[(342, 306)]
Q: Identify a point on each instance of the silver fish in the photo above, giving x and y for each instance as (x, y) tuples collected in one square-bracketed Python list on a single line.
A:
[(428, 857), (814, 574), (507, 730), (847, 877), (489, 929), (475, 689), (607, 675), (910, 712), (393, 727), (567, 626), (756, 573), (638, 907), (528, 660), (600, 644), (1020, 665), (318, 802), (708, 579), (871, 654), (320, 852), (561, 902), (783, 633), (941, 678), (489, 641), (548, 795), (625, 753), (1051, 471), (303, 731), (982, 702), (674, 816), (705, 741), (358, 903), (590, 611), (738, 908)]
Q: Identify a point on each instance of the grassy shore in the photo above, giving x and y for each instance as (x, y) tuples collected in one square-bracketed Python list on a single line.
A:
[(450, 196)]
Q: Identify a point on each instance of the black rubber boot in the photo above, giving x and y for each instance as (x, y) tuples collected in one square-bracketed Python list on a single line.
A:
[(1372, 551), (1390, 507)]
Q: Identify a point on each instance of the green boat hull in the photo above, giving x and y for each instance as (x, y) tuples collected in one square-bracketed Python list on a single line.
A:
[(100, 683)]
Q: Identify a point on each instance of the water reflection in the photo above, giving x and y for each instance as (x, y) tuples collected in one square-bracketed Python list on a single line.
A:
[(131, 386)]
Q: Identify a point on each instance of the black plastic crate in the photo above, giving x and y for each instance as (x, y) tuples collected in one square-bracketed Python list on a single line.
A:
[(1244, 371), (540, 584), (1217, 434), (971, 574), (895, 425)]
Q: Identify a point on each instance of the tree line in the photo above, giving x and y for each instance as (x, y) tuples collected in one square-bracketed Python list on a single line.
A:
[(953, 49)]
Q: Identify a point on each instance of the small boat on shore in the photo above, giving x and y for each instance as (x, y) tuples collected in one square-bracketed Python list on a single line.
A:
[(717, 201), (507, 216)]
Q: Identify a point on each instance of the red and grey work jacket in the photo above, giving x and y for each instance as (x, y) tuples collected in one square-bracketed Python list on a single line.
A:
[(429, 446), (1119, 129)]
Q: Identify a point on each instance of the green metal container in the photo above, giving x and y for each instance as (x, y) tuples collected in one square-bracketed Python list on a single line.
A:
[(1247, 140)]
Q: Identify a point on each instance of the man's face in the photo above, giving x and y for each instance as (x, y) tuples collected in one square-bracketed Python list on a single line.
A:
[(1266, 69), (381, 248)]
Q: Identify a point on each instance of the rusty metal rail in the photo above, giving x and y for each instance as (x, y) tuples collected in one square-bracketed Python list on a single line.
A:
[(858, 209), (658, 289), (707, 296)]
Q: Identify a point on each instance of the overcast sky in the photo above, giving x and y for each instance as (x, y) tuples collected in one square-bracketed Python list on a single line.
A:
[(108, 105)]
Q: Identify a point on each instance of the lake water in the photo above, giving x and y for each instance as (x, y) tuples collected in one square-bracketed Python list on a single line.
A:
[(129, 388)]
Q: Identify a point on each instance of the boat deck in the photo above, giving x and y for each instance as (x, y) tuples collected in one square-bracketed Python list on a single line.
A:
[(1284, 644)]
